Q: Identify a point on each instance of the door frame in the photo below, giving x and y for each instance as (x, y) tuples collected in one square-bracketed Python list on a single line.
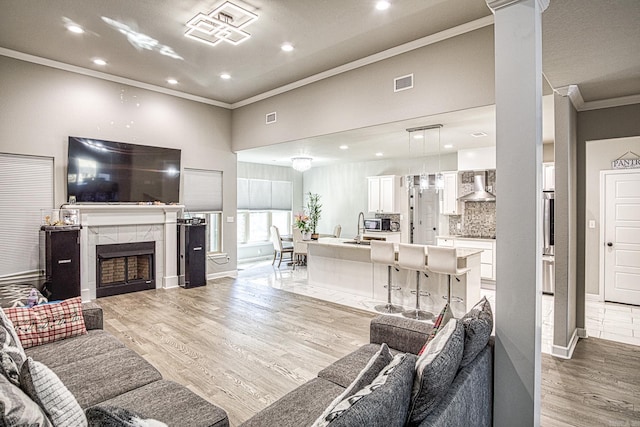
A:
[(601, 239)]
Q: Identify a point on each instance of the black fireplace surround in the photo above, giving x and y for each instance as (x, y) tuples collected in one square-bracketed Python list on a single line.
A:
[(125, 267)]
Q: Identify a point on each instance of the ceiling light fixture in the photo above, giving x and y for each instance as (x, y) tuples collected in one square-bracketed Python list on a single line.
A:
[(418, 136), (225, 22), (383, 5), (75, 28), (301, 164), (172, 81), (287, 47), (344, 147), (99, 61), (379, 154), (478, 134), (448, 146), (225, 76)]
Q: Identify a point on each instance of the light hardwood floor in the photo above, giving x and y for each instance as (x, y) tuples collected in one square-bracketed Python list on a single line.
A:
[(243, 345)]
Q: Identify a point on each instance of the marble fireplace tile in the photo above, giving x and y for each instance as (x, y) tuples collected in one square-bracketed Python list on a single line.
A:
[(92, 235), (107, 235)]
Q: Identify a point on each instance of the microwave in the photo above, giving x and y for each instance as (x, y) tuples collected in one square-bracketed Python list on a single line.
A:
[(377, 224)]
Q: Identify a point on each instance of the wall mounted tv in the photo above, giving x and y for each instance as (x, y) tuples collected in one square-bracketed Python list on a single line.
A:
[(116, 172)]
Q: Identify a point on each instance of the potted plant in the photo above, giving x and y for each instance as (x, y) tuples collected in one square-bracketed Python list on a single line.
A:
[(302, 223), (314, 209)]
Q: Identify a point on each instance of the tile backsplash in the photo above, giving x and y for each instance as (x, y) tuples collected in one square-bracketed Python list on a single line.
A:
[(478, 218)]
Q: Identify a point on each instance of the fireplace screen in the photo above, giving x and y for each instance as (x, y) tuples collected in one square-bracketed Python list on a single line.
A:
[(125, 267)]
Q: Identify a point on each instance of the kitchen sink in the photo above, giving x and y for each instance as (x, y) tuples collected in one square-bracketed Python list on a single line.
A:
[(362, 242)]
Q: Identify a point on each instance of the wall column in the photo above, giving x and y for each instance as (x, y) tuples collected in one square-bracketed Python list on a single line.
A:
[(518, 77)]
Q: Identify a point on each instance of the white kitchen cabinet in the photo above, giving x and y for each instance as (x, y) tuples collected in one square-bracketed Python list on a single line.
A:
[(382, 193), (388, 236), (450, 203), (487, 257), (548, 177)]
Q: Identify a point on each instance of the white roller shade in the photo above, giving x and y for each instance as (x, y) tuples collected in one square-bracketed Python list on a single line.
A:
[(26, 188), (243, 194), (259, 194), (202, 190), (281, 197)]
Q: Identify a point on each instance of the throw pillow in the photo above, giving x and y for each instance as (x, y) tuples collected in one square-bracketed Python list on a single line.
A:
[(11, 352), (48, 322), (440, 322), (46, 389), (435, 371), (111, 416), (17, 409), (371, 370), (478, 325), (383, 403)]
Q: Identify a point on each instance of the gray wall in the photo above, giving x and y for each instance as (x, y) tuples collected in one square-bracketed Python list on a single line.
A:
[(606, 123), (343, 187), (43, 106), (451, 75)]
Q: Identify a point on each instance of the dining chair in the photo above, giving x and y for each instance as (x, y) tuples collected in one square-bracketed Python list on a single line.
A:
[(299, 248), (278, 249), (337, 230)]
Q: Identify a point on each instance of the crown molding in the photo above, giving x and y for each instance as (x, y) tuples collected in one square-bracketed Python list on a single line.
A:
[(380, 56), (573, 93), (109, 77), (498, 4)]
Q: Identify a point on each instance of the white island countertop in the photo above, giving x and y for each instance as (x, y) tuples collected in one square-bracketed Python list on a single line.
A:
[(341, 243)]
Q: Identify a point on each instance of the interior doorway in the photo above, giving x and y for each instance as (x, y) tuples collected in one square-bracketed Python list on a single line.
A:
[(620, 235)]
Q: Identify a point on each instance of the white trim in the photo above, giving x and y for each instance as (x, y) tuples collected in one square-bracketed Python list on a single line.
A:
[(109, 77), (380, 56), (497, 4), (594, 297), (582, 333), (566, 352), (611, 102), (231, 273)]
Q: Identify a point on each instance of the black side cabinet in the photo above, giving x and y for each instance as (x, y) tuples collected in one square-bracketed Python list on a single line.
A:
[(60, 255), (192, 254)]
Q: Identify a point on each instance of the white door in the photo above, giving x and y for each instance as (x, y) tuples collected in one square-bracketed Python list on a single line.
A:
[(425, 221), (621, 237), (386, 194)]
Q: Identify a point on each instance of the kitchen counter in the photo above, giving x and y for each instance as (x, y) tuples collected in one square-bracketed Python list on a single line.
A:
[(465, 236), (334, 264), (486, 244)]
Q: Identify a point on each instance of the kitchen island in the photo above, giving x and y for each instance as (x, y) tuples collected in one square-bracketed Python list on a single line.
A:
[(339, 264)]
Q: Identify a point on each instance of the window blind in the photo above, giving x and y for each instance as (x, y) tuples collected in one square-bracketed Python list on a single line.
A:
[(243, 194), (281, 197), (26, 188), (202, 190), (261, 194)]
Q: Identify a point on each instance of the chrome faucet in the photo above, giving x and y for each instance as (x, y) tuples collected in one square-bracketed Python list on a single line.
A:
[(360, 229)]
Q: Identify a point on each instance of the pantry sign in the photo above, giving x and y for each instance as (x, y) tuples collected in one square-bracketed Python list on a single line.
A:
[(628, 160)]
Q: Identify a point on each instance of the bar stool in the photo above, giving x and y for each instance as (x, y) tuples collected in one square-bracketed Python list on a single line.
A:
[(444, 260), (411, 257), (384, 253)]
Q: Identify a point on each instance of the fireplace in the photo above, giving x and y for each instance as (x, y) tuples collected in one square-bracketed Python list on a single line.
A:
[(125, 267)]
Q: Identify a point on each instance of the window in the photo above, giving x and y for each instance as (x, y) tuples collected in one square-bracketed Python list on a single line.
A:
[(261, 204), (255, 226), (202, 197)]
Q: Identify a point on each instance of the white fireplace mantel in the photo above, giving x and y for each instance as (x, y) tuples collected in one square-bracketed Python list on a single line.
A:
[(106, 224)]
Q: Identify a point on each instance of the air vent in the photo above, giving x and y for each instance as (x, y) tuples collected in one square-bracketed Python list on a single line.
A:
[(403, 83), (271, 118)]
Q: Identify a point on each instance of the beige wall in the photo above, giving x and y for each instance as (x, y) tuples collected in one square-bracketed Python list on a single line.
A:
[(451, 75), (42, 107), (599, 156)]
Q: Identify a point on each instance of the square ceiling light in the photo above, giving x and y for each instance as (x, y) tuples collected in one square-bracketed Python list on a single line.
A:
[(224, 23)]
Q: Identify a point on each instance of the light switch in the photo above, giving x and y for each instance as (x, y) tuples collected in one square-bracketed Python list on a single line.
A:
[(230, 219), (592, 223)]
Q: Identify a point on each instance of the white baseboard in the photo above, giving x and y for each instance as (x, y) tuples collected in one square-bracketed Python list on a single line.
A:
[(582, 333), (566, 352), (230, 273), (593, 297)]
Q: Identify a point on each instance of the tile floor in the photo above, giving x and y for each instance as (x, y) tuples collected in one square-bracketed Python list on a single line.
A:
[(615, 322)]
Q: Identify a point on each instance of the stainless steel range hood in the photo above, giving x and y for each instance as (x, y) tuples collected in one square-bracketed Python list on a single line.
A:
[(480, 194)]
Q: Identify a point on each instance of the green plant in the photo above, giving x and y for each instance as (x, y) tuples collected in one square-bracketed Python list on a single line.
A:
[(301, 220), (314, 210)]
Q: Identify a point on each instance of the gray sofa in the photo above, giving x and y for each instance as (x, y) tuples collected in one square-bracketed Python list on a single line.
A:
[(100, 370), (468, 402)]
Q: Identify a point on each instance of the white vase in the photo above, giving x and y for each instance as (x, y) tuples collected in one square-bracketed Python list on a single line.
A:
[(306, 235)]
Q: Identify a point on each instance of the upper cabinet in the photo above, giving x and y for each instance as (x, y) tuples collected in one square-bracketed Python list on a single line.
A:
[(450, 203), (548, 177), (477, 159), (382, 193)]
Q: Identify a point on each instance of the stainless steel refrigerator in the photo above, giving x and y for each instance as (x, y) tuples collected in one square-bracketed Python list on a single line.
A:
[(548, 251)]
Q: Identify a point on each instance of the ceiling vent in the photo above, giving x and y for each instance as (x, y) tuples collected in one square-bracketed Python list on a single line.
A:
[(270, 118), (403, 83)]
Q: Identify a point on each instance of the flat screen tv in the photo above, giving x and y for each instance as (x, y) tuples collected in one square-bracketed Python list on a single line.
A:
[(115, 172)]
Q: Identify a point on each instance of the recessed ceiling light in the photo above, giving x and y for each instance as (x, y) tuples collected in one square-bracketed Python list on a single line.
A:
[(379, 154), (478, 134), (99, 61), (75, 28), (448, 146), (344, 147), (383, 5), (225, 76), (287, 47), (172, 81), (418, 136)]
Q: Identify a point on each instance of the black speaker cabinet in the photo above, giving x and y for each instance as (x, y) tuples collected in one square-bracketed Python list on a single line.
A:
[(60, 256), (192, 254)]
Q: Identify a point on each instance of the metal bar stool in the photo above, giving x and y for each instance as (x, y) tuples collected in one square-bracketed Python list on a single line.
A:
[(412, 257), (444, 260), (384, 253)]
